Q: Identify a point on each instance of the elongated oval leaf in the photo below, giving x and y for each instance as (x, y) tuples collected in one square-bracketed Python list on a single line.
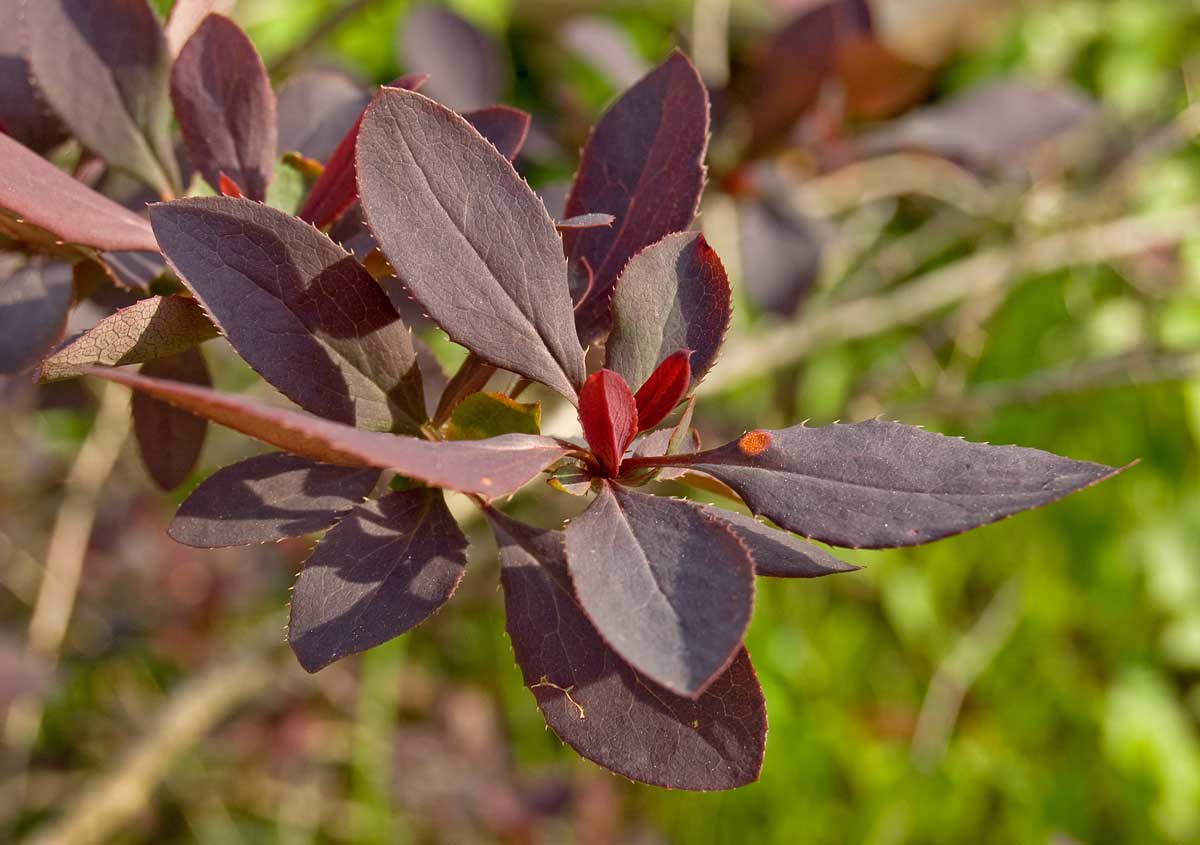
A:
[(644, 164), (149, 329), (267, 498), (32, 190), (609, 417), (778, 553), (664, 389), (666, 585), (104, 68), (186, 17), (298, 308), (225, 106), (879, 484), (602, 707), (35, 301), (385, 568), (490, 468), (169, 438), (468, 238), (672, 296), (504, 126), (465, 65), (23, 113), (316, 109)]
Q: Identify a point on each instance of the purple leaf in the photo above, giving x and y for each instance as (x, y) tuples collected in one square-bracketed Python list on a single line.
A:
[(672, 296), (504, 126), (34, 304), (468, 238), (23, 113), (603, 708), (316, 109), (490, 468), (168, 438), (779, 554), (104, 67), (609, 416), (149, 329), (466, 67), (781, 255), (187, 15), (32, 190), (668, 586), (133, 270), (644, 164), (878, 484), (585, 221), (384, 569), (298, 308), (226, 108), (267, 498)]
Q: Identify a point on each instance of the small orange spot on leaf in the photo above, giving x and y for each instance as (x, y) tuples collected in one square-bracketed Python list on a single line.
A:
[(755, 442)]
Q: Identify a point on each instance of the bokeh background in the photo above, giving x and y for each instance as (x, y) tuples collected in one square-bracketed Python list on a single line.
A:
[(1036, 681)]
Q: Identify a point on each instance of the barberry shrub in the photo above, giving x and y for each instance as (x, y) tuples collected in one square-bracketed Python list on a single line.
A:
[(627, 623)]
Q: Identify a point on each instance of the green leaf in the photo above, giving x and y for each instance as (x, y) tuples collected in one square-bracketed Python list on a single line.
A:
[(483, 415)]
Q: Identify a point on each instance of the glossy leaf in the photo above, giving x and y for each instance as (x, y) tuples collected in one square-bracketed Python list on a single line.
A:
[(483, 415), (170, 439), (609, 416), (152, 328), (187, 15), (665, 389), (504, 126), (778, 553), (34, 191), (781, 255), (468, 238), (668, 587), (879, 484), (298, 308), (603, 708), (316, 109), (672, 296), (490, 468), (35, 301), (226, 108), (644, 164), (23, 113), (268, 498), (104, 67), (389, 565), (466, 68)]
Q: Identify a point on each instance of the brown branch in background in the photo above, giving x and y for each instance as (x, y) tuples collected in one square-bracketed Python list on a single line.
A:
[(282, 64)]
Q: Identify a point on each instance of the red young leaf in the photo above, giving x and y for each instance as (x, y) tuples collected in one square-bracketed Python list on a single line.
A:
[(187, 15), (316, 109), (644, 163), (879, 484), (468, 238), (665, 389), (385, 568), (609, 417), (601, 706), (267, 498), (504, 126), (673, 295), (490, 468), (584, 221), (168, 438), (33, 190), (337, 189), (23, 113), (150, 328), (35, 301), (466, 68), (298, 308), (668, 586), (779, 554), (104, 67), (226, 108), (228, 187)]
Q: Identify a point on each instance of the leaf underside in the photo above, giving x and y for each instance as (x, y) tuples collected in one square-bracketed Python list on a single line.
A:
[(35, 301), (170, 439), (315, 109), (23, 113)]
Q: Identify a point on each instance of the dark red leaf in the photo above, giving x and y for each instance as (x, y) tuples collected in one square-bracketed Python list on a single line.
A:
[(585, 221), (781, 255), (187, 15), (298, 308), (609, 416), (669, 587), (490, 468), (644, 164), (466, 68), (780, 554), (168, 438), (673, 295), (316, 109), (267, 498), (879, 484), (104, 67), (603, 708), (33, 190), (226, 108), (665, 389), (23, 113), (468, 238), (150, 328), (337, 188), (878, 83), (385, 568), (504, 126), (35, 300)]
